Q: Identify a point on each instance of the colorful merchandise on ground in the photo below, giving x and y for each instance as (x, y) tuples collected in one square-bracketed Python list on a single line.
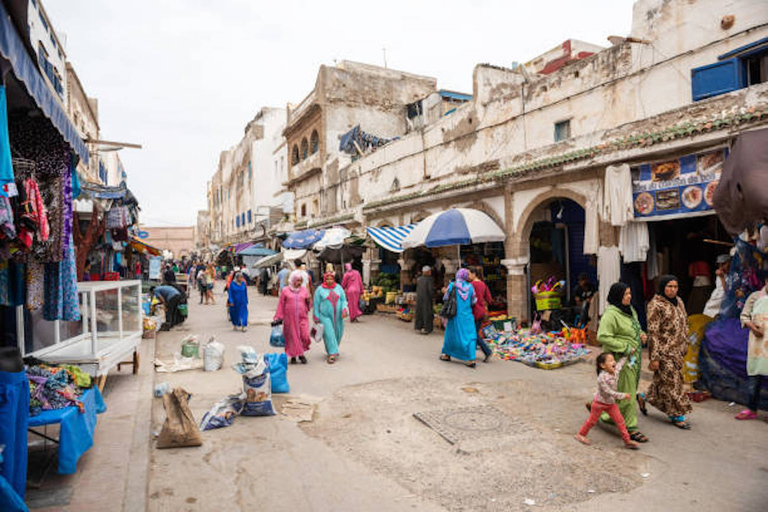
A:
[(543, 350), (56, 387)]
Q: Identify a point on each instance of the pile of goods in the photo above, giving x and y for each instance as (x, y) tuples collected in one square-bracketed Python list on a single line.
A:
[(56, 387), (546, 350), (500, 318), (149, 326), (548, 293), (405, 313)]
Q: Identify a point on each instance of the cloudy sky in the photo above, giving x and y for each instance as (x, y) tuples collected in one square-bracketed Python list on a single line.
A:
[(183, 77)]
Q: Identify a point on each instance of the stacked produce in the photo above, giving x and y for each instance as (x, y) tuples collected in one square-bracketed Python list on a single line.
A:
[(547, 350)]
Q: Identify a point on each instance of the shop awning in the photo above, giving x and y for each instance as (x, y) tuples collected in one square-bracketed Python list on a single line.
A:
[(256, 251), (391, 238), (457, 226), (238, 248), (294, 254), (333, 238), (26, 71), (303, 239), (143, 247), (267, 261)]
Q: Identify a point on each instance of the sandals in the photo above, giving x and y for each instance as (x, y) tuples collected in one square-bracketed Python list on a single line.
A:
[(679, 422), (303, 359), (632, 445), (638, 437), (332, 358), (293, 360), (588, 405), (444, 357), (582, 439), (471, 364), (641, 403), (746, 414)]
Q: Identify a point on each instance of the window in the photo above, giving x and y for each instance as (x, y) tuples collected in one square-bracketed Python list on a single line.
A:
[(563, 130), (304, 210), (242, 219), (237, 221), (250, 171), (314, 142), (249, 216), (304, 149), (295, 155), (737, 69)]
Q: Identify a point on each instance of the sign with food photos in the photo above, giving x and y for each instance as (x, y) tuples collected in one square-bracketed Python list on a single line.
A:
[(677, 186)]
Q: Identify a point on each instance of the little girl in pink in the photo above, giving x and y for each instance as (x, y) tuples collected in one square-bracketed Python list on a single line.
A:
[(605, 399)]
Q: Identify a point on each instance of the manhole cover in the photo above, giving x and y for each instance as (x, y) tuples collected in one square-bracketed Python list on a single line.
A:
[(456, 425)]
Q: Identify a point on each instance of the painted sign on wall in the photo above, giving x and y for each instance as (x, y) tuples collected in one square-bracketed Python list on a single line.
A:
[(674, 187)]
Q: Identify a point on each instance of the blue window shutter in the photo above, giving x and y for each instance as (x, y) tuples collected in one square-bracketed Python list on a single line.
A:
[(718, 78), (249, 216)]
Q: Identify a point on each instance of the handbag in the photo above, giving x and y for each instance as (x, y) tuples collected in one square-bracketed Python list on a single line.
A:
[(449, 306), (276, 338)]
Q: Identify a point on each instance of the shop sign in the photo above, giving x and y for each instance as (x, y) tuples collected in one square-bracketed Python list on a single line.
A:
[(154, 267), (680, 186), (143, 234)]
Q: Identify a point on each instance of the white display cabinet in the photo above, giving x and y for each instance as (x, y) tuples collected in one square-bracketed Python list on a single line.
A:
[(108, 334)]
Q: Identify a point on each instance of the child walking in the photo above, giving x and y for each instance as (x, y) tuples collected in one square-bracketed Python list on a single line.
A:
[(605, 399)]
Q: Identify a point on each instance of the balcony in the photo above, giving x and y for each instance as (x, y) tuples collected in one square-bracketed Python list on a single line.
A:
[(301, 108), (306, 168)]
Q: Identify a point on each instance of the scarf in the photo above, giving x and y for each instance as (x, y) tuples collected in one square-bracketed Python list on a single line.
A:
[(325, 276), (663, 282), (295, 275), (462, 286), (616, 295)]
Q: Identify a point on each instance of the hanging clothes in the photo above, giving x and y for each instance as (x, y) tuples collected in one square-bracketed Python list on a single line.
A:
[(591, 227), (6, 166), (617, 195), (34, 216), (34, 279), (608, 272), (634, 241)]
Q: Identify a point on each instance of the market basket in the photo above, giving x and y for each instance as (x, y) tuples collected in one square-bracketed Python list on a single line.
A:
[(547, 300)]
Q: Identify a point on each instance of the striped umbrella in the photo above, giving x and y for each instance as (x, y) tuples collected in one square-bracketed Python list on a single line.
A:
[(391, 238), (457, 226)]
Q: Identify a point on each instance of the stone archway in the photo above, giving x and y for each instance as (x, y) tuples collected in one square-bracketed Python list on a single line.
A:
[(517, 249), (483, 207)]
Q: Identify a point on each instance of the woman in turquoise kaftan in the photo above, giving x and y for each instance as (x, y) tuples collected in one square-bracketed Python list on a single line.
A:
[(460, 336), (330, 309)]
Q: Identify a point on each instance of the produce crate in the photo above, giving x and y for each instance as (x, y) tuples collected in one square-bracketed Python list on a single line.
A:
[(384, 308), (499, 324)]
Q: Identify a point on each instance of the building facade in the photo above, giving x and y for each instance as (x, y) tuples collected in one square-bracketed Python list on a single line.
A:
[(178, 240), (532, 146)]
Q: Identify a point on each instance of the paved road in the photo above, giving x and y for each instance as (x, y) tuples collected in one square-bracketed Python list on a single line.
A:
[(364, 450)]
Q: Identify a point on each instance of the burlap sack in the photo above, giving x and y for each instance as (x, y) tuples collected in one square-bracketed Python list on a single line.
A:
[(180, 427)]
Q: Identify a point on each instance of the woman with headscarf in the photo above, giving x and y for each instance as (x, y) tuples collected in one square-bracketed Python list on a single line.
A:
[(668, 344), (460, 336), (293, 309), (238, 302), (620, 333), (353, 287), (330, 309)]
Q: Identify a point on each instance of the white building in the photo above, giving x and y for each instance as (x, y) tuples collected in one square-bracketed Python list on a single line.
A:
[(51, 56)]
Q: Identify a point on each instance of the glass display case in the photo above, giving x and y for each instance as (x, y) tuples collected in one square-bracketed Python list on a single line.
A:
[(108, 333)]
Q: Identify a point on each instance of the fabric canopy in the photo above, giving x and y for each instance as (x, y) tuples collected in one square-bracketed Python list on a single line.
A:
[(391, 238), (294, 254), (142, 246), (256, 251), (266, 261), (26, 70), (333, 238), (457, 226), (303, 239)]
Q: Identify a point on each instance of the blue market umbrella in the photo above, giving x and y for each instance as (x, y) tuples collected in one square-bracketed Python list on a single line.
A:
[(457, 226), (303, 239)]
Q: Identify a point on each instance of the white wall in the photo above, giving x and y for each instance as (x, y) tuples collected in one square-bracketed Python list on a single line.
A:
[(38, 33)]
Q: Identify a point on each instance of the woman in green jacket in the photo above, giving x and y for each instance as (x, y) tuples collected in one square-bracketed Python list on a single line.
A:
[(620, 333)]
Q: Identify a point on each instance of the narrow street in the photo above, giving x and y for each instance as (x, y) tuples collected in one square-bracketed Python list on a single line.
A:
[(364, 450)]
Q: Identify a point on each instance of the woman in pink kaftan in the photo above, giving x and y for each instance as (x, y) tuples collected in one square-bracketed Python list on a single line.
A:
[(353, 287), (293, 308)]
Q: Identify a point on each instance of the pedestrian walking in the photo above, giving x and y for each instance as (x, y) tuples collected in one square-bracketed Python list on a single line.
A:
[(668, 343), (237, 302), (283, 277), (424, 318), (210, 279), (460, 339), (200, 280), (480, 308), (169, 277), (264, 281), (330, 309), (352, 283), (755, 317), (605, 398), (620, 333), (293, 309)]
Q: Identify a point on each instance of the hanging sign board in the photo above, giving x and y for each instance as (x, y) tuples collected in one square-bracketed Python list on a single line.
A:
[(154, 267), (677, 187)]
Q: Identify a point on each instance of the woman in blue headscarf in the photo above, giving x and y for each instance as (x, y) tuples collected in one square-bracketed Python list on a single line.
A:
[(460, 335)]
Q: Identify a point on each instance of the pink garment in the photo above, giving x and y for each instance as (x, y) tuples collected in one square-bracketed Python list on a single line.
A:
[(607, 384), (292, 309), (613, 411), (353, 287)]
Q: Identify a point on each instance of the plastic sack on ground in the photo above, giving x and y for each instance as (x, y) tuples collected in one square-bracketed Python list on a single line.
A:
[(190, 347), (276, 338), (317, 333), (180, 427), (223, 413), (213, 355), (278, 372), (257, 385)]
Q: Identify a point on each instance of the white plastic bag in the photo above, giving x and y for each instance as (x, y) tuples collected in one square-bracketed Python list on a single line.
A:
[(213, 355), (317, 333)]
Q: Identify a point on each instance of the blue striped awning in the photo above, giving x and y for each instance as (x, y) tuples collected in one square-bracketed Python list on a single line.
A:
[(390, 238)]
